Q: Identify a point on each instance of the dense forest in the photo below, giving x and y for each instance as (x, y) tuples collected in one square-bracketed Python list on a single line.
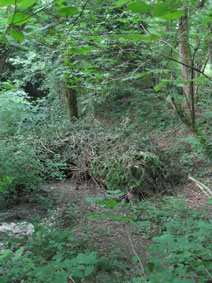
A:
[(105, 141)]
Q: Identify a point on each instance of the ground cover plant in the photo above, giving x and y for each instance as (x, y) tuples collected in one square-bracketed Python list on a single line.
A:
[(105, 141)]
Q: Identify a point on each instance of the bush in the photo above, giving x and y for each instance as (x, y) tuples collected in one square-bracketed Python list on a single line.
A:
[(51, 255), (19, 162), (117, 160), (182, 248)]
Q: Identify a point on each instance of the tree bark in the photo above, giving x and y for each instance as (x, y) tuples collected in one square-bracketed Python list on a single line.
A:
[(4, 56), (188, 73), (71, 104), (210, 51)]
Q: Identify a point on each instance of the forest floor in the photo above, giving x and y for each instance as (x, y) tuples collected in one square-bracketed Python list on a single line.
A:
[(114, 241), (64, 205)]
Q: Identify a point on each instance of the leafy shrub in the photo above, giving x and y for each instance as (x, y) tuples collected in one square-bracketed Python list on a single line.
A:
[(182, 245), (14, 110), (115, 159), (51, 255), (141, 173), (19, 162)]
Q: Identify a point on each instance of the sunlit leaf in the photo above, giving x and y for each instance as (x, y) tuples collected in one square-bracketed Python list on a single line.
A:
[(139, 7), (26, 3), (5, 3), (12, 42), (7, 86), (20, 251), (109, 203), (119, 3), (162, 9), (85, 49), (174, 15), (19, 18), (157, 88), (17, 35), (137, 37), (4, 253), (67, 11)]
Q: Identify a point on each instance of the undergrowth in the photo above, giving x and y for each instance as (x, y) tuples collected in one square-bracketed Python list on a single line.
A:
[(46, 147), (179, 247)]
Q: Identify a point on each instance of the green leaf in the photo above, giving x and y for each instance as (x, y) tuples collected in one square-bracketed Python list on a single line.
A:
[(77, 273), (19, 19), (17, 35), (114, 194), (157, 88), (4, 253), (60, 276), (173, 15), (4, 279), (20, 251), (210, 201), (5, 3), (164, 237), (109, 203), (25, 4), (119, 3), (67, 11), (86, 258), (139, 7), (88, 270), (150, 266), (162, 9), (98, 199), (8, 86), (16, 258), (85, 49), (12, 42), (134, 37)]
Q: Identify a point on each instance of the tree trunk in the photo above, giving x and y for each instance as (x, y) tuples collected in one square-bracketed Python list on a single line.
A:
[(4, 55), (71, 104), (210, 51), (186, 67)]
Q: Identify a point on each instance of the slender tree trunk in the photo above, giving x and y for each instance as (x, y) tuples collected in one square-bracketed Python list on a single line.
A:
[(210, 51), (4, 56), (71, 104), (188, 73)]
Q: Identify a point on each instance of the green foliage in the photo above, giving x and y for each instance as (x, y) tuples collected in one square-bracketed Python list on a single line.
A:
[(5, 182), (19, 162), (182, 241), (51, 255), (125, 70), (129, 171), (15, 109)]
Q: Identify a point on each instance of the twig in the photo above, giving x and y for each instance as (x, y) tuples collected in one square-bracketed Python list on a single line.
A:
[(47, 148), (188, 66), (202, 187), (80, 14), (136, 255), (72, 280)]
